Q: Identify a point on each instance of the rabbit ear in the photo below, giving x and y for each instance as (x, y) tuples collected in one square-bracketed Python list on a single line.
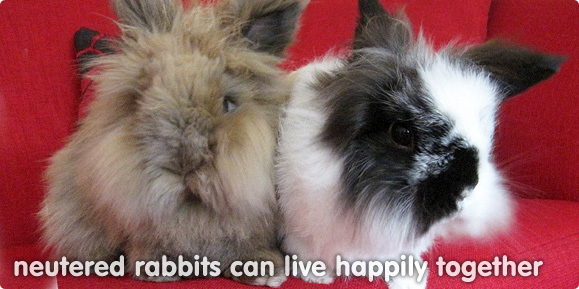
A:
[(269, 25), (377, 28), (152, 15), (514, 68)]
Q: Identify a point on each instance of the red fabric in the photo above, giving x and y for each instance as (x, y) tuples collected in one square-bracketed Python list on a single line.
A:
[(27, 253), (39, 92), (545, 230), (329, 25), (538, 136), (537, 139)]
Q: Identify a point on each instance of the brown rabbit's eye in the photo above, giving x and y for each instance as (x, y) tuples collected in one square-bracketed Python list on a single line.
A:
[(402, 135), (228, 104)]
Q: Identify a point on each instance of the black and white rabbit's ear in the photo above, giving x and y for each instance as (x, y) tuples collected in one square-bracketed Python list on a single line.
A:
[(152, 15), (514, 68), (269, 25), (377, 28)]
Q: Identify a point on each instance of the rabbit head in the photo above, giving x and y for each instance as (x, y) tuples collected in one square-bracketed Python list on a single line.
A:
[(201, 91), (416, 126)]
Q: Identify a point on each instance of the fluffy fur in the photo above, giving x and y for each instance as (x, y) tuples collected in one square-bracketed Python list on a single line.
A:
[(385, 149), (175, 156)]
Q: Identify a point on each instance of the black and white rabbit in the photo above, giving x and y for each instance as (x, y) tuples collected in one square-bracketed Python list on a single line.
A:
[(175, 156), (388, 147)]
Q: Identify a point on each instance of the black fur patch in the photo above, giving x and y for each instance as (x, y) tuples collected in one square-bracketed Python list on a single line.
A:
[(367, 95), (363, 100), (438, 194)]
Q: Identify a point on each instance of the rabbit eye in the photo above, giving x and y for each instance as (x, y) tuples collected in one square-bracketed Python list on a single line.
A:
[(228, 104), (402, 135)]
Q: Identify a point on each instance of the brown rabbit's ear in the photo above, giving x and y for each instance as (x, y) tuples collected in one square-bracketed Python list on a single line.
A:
[(269, 25), (152, 15), (514, 68)]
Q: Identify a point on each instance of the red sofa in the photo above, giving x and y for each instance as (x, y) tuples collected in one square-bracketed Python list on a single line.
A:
[(537, 140)]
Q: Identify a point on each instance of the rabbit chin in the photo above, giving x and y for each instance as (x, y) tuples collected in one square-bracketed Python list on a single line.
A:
[(318, 226)]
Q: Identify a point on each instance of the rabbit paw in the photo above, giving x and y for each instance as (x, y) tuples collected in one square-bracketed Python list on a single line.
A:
[(270, 281), (158, 278), (406, 282), (325, 279)]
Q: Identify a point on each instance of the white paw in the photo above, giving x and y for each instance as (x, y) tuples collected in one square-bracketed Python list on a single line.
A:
[(325, 279), (158, 278), (406, 282), (273, 281)]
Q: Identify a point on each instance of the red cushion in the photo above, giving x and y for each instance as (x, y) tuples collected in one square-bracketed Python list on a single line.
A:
[(27, 253), (545, 230), (538, 137), (39, 92)]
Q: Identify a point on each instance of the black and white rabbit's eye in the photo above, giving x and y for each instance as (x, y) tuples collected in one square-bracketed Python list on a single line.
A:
[(402, 135), (228, 104)]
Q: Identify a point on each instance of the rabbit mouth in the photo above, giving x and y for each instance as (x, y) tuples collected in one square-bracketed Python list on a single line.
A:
[(186, 168)]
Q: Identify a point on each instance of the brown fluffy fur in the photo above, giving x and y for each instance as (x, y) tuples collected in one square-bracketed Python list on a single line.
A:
[(158, 167)]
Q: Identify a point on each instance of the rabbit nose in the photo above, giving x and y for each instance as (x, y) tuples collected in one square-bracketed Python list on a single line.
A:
[(195, 141), (439, 193), (463, 169), (458, 177), (195, 153)]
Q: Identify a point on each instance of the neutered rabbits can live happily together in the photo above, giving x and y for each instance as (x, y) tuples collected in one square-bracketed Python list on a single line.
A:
[(175, 156), (388, 147)]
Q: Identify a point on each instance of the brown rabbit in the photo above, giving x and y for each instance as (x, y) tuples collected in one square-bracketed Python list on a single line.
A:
[(175, 156)]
